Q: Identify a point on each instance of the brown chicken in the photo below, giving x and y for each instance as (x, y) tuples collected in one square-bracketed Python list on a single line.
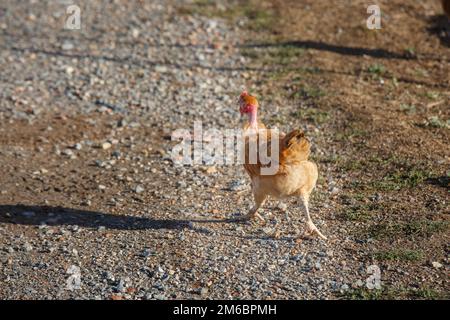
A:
[(294, 176)]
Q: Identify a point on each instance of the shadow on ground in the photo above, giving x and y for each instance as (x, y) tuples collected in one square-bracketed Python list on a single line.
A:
[(443, 182), (440, 27), (343, 50), (60, 216)]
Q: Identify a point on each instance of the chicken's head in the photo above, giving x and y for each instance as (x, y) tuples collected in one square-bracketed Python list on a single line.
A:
[(247, 103)]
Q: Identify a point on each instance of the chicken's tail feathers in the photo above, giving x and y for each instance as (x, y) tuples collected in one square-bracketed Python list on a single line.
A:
[(296, 146), (294, 137)]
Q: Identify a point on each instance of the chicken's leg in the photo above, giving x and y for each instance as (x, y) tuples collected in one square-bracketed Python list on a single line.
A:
[(311, 228), (259, 201)]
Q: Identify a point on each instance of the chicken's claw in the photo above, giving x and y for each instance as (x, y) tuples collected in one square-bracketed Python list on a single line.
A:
[(276, 234), (250, 216), (312, 230)]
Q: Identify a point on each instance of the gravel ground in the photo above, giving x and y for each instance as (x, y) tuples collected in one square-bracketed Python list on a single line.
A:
[(91, 207)]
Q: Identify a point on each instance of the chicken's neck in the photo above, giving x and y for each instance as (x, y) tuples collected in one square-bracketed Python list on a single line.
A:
[(253, 119)]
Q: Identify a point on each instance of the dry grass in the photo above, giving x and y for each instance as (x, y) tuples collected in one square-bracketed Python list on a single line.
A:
[(379, 99)]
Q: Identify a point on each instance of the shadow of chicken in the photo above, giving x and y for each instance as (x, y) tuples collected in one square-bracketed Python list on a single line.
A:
[(446, 7)]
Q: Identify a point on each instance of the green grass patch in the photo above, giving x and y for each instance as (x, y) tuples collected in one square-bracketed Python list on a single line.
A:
[(360, 212), (436, 122), (367, 294), (309, 92), (376, 69), (353, 165), (285, 54), (399, 255), (409, 109), (318, 197), (351, 133), (312, 70), (432, 95), (252, 53), (259, 19), (399, 180), (330, 159), (311, 114), (421, 72), (411, 52), (418, 228), (428, 294), (386, 293), (277, 56)]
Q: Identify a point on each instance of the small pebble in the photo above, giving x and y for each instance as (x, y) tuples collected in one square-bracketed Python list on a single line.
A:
[(106, 145)]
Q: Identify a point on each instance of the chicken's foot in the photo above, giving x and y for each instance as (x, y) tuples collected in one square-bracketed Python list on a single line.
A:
[(253, 213), (311, 229)]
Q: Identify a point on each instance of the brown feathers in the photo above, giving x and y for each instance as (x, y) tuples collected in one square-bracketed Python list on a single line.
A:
[(293, 148)]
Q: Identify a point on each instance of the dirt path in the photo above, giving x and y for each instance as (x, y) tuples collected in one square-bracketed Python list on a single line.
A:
[(377, 104), (88, 190)]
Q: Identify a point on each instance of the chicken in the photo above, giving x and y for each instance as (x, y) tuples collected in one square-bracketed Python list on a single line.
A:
[(295, 175)]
